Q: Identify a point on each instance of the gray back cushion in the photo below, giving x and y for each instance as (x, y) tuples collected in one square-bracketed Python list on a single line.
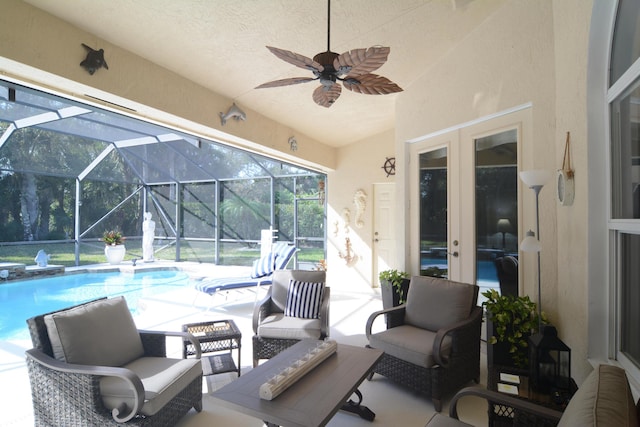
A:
[(280, 284), (433, 303), (99, 333)]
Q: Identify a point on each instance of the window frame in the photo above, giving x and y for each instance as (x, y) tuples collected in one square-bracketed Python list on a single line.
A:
[(605, 307)]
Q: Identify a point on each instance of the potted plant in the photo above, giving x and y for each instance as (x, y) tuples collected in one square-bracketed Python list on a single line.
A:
[(510, 322), (394, 285), (114, 248)]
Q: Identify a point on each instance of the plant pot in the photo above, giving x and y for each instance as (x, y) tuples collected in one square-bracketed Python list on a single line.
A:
[(115, 253), (391, 298), (498, 353)]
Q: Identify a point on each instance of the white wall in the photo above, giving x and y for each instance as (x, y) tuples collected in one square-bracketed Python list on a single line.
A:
[(359, 166), (41, 49), (527, 52)]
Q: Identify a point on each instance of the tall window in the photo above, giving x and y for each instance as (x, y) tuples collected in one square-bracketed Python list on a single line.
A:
[(624, 167)]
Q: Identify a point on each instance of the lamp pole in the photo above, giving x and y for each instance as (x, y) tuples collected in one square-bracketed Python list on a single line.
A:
[(535, 180), (536, 189)]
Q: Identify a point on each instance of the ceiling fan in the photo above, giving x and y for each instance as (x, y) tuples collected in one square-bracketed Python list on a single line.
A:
[(352, 68)]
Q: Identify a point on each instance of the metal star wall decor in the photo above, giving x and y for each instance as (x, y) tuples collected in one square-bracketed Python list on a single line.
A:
[(94, 60)]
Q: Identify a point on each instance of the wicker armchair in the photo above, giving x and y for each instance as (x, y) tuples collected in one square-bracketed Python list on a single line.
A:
[(432, 343), (275, 331), (139, 392)]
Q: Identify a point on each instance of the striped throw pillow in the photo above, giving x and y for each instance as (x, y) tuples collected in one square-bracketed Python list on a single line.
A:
[(304, 299), (263, 266)]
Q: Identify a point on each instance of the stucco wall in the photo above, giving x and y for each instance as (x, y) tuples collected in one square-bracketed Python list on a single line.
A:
[(359, 167), (39, 48), (527, 52), (571, 29)]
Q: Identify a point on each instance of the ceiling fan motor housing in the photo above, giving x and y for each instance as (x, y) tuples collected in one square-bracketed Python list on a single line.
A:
[(328, 75)]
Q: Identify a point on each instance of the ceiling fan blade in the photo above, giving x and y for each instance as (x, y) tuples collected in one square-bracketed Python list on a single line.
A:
[(357, 62), (296, 59), (286, 82), (325, 96), (371, 84)]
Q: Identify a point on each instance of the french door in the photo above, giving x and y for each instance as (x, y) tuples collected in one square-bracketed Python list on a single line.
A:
[(464, 200)]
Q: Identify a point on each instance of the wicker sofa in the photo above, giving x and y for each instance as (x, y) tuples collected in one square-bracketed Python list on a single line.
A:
[(90, 366), (603, 400), (432, 343)]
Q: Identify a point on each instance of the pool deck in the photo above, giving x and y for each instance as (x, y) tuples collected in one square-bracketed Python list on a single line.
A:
[(10, 271)]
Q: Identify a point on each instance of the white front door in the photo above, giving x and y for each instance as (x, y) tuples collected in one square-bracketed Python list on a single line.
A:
[(384, 219)]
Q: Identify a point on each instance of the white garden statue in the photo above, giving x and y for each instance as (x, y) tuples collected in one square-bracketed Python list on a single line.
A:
[(42, 258), (148, 235)]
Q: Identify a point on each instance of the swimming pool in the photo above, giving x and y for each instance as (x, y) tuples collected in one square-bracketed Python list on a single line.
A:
[(24, 299)]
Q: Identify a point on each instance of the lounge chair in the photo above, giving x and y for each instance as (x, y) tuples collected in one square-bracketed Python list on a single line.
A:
[(262, 273)]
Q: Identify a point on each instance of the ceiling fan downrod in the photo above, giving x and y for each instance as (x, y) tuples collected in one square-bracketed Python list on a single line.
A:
[(328, 25)]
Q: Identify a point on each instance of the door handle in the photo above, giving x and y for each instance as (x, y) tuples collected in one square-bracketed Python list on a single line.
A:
[(455, 253)]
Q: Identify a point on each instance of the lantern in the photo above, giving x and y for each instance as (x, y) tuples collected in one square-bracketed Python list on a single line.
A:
[(549, 362)]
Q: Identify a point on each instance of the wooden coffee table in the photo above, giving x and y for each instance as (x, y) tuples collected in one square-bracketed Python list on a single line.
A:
[(311, 401)]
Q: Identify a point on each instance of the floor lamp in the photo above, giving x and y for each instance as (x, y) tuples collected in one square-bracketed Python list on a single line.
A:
[(535, 180)]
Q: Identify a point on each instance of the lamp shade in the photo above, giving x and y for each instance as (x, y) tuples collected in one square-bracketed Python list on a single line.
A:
[(504, 225), (535, 178), (530, 243)]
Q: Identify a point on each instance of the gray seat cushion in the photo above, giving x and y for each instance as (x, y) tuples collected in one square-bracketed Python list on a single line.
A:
[(279, 326), (162, 379), (99, 333), (434, 303), (439, 420), (409, 343)]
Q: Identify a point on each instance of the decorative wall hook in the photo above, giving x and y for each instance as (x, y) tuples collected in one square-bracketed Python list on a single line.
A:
[(234, 112), (94, 60)]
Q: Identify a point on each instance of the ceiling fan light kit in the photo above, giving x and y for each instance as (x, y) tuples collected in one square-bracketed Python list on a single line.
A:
[(352, 68)]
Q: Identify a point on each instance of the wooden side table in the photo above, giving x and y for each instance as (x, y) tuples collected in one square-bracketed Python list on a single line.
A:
[(219, 337), (502, 415)]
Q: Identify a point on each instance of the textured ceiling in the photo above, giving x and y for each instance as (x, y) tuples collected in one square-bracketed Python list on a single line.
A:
[(220, 44)]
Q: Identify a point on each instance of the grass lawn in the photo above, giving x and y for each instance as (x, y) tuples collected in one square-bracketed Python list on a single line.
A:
[(93, 253)]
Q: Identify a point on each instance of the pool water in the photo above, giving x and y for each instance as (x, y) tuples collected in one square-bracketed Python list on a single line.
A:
[(24, 299)]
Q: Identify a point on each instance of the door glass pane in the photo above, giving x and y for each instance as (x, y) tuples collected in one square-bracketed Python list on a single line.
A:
[(433, 213), (630, 297), (496, 208), (625, 154)]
